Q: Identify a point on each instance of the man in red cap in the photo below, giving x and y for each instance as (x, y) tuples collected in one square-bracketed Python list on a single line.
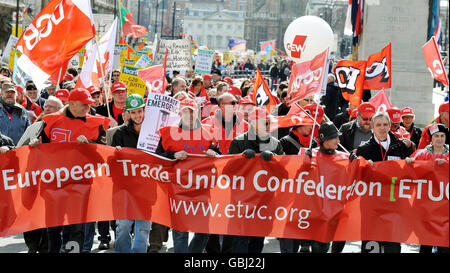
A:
[(179, 142), (33, 109), (95, 94), (63, 95), (256, 141), (443, 119), (72, 124), (207, 81), (408, 117), (357, 131), (396, 118), (119, 95)]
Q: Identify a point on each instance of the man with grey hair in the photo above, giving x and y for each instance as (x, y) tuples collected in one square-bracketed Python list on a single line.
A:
[(178, 85), (52, 105)]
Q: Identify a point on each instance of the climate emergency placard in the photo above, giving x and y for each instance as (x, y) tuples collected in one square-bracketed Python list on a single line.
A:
[(319, 199), (160, 111)]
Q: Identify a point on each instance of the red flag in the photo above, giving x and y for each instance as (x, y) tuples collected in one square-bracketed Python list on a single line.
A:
[(350, 78), (434, 62), (378, 70), (56, 34), (295, 116), (307, 77), (261, 94), (381, 102), (130, 28), (154, 77)]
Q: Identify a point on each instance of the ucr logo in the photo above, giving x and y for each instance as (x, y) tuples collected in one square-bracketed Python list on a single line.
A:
[(307, 78), (43, 29), (297, 46)]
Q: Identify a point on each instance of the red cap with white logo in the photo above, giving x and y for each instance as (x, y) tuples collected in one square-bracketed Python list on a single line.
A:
[(118, 86), (407, 111), (394, 115)]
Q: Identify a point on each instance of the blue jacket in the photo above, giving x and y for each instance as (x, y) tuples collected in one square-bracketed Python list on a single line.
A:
[(19, 122)]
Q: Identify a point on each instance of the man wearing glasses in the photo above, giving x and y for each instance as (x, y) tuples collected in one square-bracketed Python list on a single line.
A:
[(357, 131)]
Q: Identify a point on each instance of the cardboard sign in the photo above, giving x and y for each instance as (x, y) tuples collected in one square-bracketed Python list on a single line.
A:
[(179, 54)]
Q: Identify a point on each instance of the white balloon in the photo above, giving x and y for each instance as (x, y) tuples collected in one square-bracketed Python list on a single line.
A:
[(306, 37)]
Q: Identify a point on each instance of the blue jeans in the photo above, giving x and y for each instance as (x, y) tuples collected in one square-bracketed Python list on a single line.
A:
[(198, 243), (180, 241), (89, 233), (141, 231)]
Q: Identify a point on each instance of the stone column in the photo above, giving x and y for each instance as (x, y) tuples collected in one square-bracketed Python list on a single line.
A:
[(404, 23)]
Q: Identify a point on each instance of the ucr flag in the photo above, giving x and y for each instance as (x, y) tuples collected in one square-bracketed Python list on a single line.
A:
[(261, 94), (154, 77), (268, 46), (434, 62), (89, 74), (56, 34), (350, 77), (307, 77), (381, 102), (378, 70)]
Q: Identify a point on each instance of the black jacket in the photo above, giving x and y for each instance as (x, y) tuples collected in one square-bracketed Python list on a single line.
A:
[(416, 134), (250, 140), (125, 136), (348, 135), (6, 141), (103, 111), (331, 101), (290, 148), (341, 119), (372, 150)]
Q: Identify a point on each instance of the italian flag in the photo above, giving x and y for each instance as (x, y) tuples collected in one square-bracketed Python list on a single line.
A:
[(128, 25)]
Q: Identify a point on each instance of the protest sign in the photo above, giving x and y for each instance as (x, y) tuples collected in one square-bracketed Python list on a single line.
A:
[(129, 76), (204, 61), (160, 111), (179, 54)]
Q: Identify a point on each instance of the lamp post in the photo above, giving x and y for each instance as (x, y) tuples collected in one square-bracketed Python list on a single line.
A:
[(173, 19)]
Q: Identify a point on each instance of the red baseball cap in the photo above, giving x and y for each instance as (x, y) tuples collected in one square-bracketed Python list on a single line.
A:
[(228, 80), (394, 114), (92, 90), (81, 94), (68, 76), (19, 89), (312, 110), (118, 86), (62, 94), (233, 90), (188, 103), (443, 107), (207, 77), (366, 109), (259, 113), (407, 111)]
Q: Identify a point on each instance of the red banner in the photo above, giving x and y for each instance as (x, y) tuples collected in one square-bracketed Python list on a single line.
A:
[(291, 196)]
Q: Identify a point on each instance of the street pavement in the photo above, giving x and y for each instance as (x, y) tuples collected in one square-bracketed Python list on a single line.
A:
[(16, 244)]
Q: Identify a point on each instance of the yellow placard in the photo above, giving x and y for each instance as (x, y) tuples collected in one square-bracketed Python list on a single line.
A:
[(129, 76)]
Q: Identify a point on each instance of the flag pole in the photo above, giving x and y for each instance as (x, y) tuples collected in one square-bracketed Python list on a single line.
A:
[(59, 79), (107, 90)]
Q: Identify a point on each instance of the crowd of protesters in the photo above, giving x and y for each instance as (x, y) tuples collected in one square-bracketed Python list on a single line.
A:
[(218, 105)]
